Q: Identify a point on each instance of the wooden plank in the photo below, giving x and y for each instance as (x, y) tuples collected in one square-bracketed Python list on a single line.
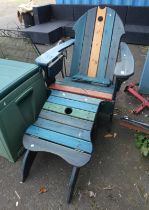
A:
[(68, 120), (77, 49), (81, 114), (91, 80), (73, 104), (105, 47), (97, 39), (81, 91), (61, 139), (73, 157), (118, 31), (76, 97), (87, 43), (64, 129), (88, 86)]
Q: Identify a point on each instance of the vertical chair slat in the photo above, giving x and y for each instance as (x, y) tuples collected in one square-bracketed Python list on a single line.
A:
[(118, 31), (97, 39), (106, 41), (87, 43), (77, 50)]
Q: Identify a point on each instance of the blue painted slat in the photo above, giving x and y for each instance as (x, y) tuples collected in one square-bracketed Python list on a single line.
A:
[(118, 31), (68, 120), (64, 129), (108, 30), (76, 97), (73, 104), (77, 50), (61, 139), (87, 43)]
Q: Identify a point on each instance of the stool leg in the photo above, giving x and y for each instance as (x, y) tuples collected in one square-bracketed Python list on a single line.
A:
[(72, 183), (27, 163)]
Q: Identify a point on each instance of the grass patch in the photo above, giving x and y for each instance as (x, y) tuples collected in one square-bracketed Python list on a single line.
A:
[(142, 143)]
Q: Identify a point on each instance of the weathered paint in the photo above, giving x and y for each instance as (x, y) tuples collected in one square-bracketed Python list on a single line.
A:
[(75, 112), (80, 91), (97, 40), (106, 41)]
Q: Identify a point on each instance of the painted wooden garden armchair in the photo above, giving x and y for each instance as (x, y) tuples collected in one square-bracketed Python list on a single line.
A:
[(100, 63)]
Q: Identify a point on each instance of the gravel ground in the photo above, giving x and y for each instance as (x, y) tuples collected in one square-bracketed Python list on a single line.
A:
[(117, 177)]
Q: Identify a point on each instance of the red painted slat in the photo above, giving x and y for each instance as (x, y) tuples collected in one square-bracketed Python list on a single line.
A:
[(80, 91)]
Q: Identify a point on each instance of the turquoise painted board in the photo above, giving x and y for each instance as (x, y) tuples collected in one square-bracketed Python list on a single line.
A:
[(106, 42), (68, 141)]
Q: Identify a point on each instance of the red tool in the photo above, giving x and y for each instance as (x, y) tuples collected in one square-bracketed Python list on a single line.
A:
[(132, 88)]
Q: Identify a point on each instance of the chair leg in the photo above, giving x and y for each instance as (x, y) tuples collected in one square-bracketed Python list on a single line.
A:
[(111, 117), (27, 163), (72, 183)]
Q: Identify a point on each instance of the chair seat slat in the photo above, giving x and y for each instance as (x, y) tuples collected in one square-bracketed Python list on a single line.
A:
[(73, 157), (63, 129), (67, 120), (76, 97), (75, 112), (61, 139), (73, 104)]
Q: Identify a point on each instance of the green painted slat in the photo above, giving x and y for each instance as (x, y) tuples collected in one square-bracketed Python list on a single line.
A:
[(118, 31), (77, 49), (87, 43), (75, 113), (76, 97), (64, 129), (61, 139), (73, 103), (105, 47), (66, 119)]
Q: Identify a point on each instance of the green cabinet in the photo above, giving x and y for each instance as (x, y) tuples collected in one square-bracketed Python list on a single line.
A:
[(22, 95)]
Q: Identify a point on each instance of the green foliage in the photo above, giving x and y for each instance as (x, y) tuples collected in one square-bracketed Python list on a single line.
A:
[(142, 143)]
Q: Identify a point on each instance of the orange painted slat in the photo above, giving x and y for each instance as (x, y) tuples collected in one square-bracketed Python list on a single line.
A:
[(80, 91), (97, 40)]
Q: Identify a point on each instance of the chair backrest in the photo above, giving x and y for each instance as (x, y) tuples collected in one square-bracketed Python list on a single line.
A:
[(97, 38)]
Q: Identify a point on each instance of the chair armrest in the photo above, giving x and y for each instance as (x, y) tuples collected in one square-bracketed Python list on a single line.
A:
[(49, 56), (124, 68)]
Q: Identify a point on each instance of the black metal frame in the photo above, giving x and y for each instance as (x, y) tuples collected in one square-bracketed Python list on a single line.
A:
[(18, 34)]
